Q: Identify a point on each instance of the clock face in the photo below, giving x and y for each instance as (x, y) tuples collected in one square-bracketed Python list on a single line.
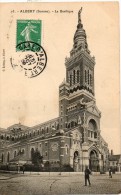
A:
[(54, 146)]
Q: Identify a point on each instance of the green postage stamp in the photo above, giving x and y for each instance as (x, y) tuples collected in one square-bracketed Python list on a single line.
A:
[(30, 56), (29, 30)]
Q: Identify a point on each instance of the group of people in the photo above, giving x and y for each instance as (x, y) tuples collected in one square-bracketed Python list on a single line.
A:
[(22, 168), (88, 173)]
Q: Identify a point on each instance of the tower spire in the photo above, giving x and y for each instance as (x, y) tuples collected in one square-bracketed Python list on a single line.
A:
[(80, 41), (79, 15)]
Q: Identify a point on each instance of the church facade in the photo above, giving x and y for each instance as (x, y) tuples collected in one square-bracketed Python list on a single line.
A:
[(73, 138)]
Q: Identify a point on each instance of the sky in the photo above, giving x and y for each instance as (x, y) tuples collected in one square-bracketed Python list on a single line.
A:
[(35, 100)]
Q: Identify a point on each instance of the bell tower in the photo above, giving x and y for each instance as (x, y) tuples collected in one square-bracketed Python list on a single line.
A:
[(80, 65)]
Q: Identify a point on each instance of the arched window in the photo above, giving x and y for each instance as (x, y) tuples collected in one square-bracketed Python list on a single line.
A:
[(88, 77), (47, 129), (95, 135), (70, 80), (85, 76), (32, 153), (15, 154), (90, 80), (23, 151), (66, 124), (73, 76), (46, 153), (1, 136), (12, 138), (55, 122), (7, 138), (69, 125), (2, 158), (92, 125), (8, 157), (72, 123), (42, 131), (75, 124), (30, 134), (77, 76), (58, 126)]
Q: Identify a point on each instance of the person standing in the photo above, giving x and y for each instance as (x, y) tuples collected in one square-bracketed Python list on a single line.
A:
[(23, 168), (110, 173), (87, 175)]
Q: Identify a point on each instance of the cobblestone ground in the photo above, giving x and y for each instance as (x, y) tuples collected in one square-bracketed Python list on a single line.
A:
[(35, 184)]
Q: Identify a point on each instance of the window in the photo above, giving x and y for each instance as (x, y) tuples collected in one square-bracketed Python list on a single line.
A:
[(70, 80), (23, 151), (2, 158), (45, 143), (47, 129), (95, 134), (74, 77), (90, 80), (77, 76), (15, 154), (46, 153), (88, 133), (88, 77), (57, 126), (72, 123), (12, 138), (69, 125), (40, 145), (66, 124), (8, 157), (85, 76)]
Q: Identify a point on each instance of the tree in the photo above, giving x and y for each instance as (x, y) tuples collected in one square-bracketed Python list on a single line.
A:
[(36, 157)]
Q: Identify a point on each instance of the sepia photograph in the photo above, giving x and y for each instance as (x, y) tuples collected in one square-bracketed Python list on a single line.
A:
[(60, 98)]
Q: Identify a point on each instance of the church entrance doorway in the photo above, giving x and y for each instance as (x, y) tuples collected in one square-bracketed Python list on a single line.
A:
[(76, 161), (94, 161)]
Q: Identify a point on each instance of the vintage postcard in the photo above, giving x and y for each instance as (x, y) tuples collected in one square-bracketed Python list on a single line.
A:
[(59, 98)]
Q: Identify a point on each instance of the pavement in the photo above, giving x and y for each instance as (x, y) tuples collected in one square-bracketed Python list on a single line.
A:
[(57, 183)]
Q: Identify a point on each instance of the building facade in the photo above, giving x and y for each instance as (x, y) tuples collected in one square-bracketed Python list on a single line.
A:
[(115, 162), (74, 137)]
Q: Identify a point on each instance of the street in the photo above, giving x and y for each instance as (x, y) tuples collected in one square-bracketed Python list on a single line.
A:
[(53, 183)]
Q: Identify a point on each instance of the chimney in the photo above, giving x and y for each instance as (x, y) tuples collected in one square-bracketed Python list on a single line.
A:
[(111, 152)]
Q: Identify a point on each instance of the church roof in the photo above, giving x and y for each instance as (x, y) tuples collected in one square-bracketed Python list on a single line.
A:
[(2, 130), (19, 125), (114, 157)]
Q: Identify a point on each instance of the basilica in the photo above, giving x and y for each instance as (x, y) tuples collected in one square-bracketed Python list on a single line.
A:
[(74, 137)]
